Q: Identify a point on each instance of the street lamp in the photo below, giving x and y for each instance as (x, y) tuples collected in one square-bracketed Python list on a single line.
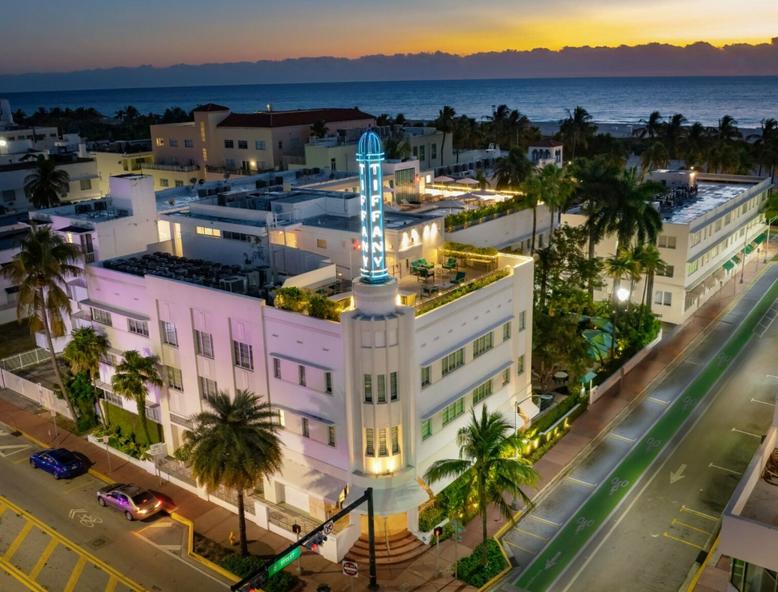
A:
[(622, 294), (767, 242)]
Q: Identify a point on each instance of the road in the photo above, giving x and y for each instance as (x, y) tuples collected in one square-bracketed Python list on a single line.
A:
[(574, 511), (53, 534), (665, 525)]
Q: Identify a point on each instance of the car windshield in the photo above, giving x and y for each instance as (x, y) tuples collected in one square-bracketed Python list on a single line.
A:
[(62, 456), (144, 497)]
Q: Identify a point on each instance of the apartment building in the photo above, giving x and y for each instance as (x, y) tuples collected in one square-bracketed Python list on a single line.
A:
[(546, 151), (220, 142), (711, 224), (118, 158), (370, 400), (11, 237)]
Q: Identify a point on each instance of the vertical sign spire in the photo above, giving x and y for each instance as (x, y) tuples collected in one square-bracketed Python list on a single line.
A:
[(370, 157)]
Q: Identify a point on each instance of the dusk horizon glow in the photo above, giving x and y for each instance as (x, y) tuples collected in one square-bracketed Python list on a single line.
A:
[(198, 32)]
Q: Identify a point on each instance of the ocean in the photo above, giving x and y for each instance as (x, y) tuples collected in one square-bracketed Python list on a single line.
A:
[(609, 100)]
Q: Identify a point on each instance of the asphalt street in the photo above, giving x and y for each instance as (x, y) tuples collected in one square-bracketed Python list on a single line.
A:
[(149, 553), (571, 517)]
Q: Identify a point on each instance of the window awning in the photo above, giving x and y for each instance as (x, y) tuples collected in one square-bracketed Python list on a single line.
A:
[(748, 249), (728, 265), (761, 238), (735, 259)]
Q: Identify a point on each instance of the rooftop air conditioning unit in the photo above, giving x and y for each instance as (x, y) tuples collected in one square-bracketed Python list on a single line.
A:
[(233, 284)]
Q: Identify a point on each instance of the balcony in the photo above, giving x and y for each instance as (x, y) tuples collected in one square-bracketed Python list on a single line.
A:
[(180, 168)]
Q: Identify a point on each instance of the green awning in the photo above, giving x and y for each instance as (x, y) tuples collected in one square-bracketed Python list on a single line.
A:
[(728, 265), (761, 238), (735, 259), (748, 249), (588, 377)]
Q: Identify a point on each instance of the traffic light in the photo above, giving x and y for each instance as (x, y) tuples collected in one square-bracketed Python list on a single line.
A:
[(313, 542)]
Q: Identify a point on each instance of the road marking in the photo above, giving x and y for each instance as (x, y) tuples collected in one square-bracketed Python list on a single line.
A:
[(746, 433), (686, 508), (111, 585), (75, 574), (160, 524), (173, 548), (660, 401), (680, 540), (620, 437), (20, 460), (16, 448), (546, 520), (512, 544), (677, 475), (581, 482), (43, 558), (17, 542), (712, 466), (762, 402), (678, 522), (22, 577), (533, 534)]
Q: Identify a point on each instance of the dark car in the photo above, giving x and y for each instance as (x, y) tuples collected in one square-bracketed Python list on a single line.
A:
[(60, 462), (135, 503)]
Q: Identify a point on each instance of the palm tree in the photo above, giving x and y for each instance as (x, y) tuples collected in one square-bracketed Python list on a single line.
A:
[(445, 123), (650, 261), (620, 266), (234, 446), (532, 187), (651, 126), (319, 128), (84, 352), (488, 466), (511, 171), (727, 130), (673, 134), (46, 184), (577, 130), (41, 270), (654, 157), (131, 381), (695, 144), (766, 146)]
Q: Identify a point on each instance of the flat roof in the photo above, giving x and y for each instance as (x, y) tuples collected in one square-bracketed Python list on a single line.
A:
[(301, 196), (392, 221), (709, 197), (212, 218)]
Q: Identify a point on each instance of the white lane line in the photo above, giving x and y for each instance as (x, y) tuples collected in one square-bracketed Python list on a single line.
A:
[(620, 437), (581, 482), (712, 466), (194, 567), (533, 534), (747, 433), (546, 520), (762, 402), (660, 401)]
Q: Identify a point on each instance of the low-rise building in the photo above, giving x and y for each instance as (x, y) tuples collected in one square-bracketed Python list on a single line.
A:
[(546, 151), (11, 237), (711, 224), (118, 158)]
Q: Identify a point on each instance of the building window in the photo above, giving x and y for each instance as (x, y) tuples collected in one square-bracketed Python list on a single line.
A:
[(506, 331), (381, 388), (426, 379), (173, 143), (138, 327), (453, 361), (328, 383), (174, 377), (101, 316), (665, 270), (276, 368), (421, 153), (433, 151), (243, 355), (188, 144), (169, 333), (367, 385), (396, 440), (426, 429), (331, 436), (393, 386), (321, 243), (453, 411), (506, 376), (482, 345), (666, 242), (482, 391), (520, 365), (382, 449), (159, 142), (281, 418), (522, 320), (208, 387), (369, 442), (301, 375), (692, 267), (280, 144), (259, 144), (663, 298), (9, 195), (85, 184), (204, 344), (306, 428), (164, 183), (243, 144), (179, 183), (229, 144), (207, 231)]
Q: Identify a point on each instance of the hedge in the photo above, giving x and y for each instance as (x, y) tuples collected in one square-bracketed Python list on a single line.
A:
[(461, 291), (128, 423), (471, 569)]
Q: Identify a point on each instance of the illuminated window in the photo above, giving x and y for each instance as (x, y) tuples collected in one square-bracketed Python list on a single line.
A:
[(426, 429), (369, 442), (321, 243), (382, 449), (367, 385), (281, 418), (160, 142), (206, 231), (396, 440)]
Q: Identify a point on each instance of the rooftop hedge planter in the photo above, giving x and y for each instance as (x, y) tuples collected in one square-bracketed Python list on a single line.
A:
[(462, 290), (308, 303)]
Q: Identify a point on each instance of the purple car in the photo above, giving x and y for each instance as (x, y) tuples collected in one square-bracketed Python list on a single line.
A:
[(60, 462), (135, 503)]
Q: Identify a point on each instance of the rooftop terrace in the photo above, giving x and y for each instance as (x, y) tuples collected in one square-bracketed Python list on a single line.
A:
[(93, 210), (709, 196)]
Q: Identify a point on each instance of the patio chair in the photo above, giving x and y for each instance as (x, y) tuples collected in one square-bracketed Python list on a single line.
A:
[(458, 278), (423, 273), (451, 264), (424, 263)]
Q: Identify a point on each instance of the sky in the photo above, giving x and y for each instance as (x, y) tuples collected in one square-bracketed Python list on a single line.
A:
[(66, 35)]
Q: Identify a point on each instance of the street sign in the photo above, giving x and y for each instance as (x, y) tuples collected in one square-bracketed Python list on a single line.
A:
[(350, 568), (283, 561), (328, 526)]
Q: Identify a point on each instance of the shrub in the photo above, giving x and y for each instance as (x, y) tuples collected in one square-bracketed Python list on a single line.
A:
[(461, 291), (480, 214), (129, 424), (465, 248), (431, 516), (308, 303), (472, 570)]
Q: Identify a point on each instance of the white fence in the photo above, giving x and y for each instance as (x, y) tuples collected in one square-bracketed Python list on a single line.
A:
[(35, 392), (25, 359)]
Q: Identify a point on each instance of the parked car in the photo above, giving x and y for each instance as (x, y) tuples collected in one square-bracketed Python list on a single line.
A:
[(60, 462), (134, 502)]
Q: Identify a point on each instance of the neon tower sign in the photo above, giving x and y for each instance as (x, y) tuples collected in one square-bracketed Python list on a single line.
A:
[(370, 156)]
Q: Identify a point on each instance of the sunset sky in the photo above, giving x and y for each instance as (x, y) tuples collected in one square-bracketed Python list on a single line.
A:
[(50, 35)]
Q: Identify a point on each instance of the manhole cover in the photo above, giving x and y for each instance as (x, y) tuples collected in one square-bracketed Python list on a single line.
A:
[(16, 433), (98, 542)]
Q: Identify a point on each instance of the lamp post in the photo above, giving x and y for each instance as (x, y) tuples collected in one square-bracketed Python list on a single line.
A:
[(622, 294), (767, 242)]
